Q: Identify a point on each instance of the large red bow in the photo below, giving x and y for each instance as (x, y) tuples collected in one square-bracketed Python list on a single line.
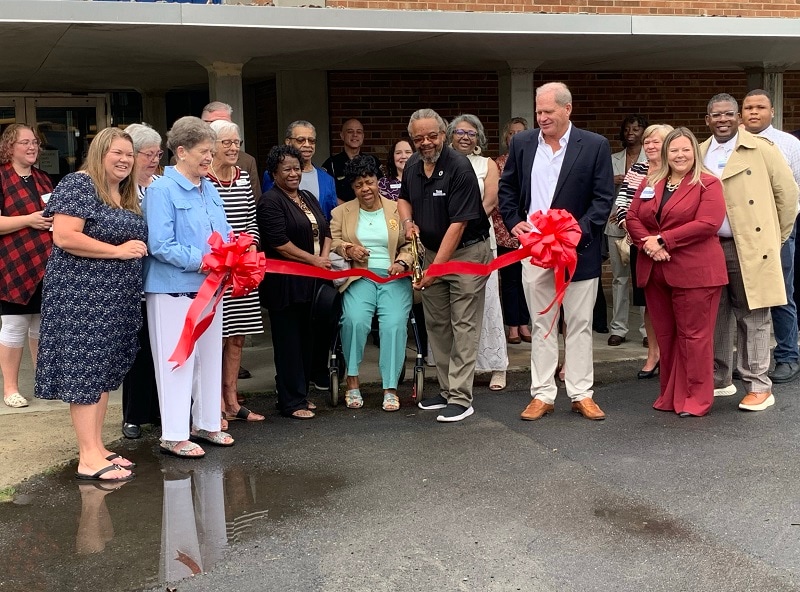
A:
[(228, 264)]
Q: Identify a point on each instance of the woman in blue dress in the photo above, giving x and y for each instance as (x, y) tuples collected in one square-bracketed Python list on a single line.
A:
[(91, 298)]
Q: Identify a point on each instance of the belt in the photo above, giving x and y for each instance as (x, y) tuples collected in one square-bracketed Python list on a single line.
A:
[(722, 238), (472, 241)]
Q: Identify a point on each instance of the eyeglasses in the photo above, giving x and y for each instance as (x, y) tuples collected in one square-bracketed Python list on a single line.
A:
[(432, 137), (27, 143), (471, 134), (229, 143), (303, 140), (717, 115), (152, 155)]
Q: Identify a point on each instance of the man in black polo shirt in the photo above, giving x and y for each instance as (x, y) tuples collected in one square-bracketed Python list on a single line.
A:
[(440, 201)]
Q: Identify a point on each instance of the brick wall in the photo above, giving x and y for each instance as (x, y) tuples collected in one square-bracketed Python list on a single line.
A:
[(638, 7), (602, 99), (384, 100)]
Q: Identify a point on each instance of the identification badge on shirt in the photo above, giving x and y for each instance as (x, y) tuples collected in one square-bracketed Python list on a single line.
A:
[(394, 186), (439, 193), (647, 193), (46, 198), (721, 164), (242, 183)]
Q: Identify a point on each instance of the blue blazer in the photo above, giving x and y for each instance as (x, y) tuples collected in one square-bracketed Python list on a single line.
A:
[(585, 188), (327, 191)]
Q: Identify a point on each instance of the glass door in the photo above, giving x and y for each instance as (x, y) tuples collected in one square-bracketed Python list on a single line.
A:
[(66, 126), (12, 110)]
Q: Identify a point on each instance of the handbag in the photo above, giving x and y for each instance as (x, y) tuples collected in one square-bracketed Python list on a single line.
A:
[(624, 248), (339, 263), (501, 233)]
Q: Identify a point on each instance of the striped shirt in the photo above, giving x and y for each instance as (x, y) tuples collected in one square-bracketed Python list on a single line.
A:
[(630, 184)]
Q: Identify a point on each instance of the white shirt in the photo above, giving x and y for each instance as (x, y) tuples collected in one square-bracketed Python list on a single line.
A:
[(545, 171), (789, 147), (715, 161)]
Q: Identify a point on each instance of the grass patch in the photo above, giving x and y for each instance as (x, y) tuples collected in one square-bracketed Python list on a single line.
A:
[(7, 494)]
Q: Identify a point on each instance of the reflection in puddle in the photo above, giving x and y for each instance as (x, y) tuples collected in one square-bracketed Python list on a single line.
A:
[(173, 521)]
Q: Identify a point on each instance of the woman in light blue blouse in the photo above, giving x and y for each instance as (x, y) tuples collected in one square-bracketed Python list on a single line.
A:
[(182, 210), (367, 232)]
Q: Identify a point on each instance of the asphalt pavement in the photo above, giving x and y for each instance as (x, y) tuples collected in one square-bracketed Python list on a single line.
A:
[(363, 500)]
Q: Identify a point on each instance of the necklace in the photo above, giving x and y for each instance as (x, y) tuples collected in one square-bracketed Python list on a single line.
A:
[(229, 188), (369, 216), (674, 186)]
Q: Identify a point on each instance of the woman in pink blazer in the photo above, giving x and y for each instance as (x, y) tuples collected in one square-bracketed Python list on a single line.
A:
[(673, 219)]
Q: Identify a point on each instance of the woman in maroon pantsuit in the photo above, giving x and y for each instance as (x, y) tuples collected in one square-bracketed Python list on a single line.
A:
[(674, 219)]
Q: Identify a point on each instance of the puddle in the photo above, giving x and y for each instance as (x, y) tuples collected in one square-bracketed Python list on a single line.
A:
[(176, 519)]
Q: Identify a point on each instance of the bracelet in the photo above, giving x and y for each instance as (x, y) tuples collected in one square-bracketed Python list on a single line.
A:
[(408, 220), (403, 263)]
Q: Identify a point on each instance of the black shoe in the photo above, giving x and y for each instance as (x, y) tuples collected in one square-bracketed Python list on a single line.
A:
[(736, 375), (376, 338), (437, 402), (600, 329), (649, 373), (244, 373), (455, 412), (785, 372), (131, 431)]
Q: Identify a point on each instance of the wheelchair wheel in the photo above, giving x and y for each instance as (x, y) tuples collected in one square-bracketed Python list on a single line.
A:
[(333, 376), (419, 384)]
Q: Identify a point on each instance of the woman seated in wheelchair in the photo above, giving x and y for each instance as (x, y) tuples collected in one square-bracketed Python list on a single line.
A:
[(367, 232)]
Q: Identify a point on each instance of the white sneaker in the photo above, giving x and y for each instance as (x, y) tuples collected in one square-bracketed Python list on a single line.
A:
[(726, 391)]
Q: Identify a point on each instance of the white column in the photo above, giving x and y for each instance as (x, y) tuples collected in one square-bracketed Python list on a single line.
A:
[(225, 84), (517, 92)]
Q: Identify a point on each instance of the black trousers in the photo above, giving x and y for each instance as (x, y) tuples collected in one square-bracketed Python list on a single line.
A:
[(139, 390), (515, 308), (292, 348)]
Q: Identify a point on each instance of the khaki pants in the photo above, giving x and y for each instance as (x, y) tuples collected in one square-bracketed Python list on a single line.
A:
[(578, 304), (453, 307)]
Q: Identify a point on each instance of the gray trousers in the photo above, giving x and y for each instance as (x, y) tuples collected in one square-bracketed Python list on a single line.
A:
[(750, 327)]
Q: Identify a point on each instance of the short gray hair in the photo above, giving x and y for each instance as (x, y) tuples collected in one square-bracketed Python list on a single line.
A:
[(427, 114), (562, 95), (143, 135), (220, 126), (722, 98), (217, 106), (188, 132), (472, 120), (298, 123)]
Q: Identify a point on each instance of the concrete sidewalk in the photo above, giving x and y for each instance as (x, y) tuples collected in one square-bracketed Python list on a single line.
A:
[(258, 358)]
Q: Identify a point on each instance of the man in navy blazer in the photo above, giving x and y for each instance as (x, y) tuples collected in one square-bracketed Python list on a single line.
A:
[(559, 166)]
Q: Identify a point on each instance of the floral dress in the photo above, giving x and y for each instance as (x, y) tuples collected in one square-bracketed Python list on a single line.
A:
[(91, 308)]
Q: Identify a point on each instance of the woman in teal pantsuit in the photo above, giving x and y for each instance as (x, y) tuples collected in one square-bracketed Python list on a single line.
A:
[(368, 233)]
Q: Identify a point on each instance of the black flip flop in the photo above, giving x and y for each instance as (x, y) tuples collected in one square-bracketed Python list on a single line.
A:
[(98, 475), (113, 456)]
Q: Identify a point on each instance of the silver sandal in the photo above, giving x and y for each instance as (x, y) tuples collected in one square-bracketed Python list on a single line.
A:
[(215, 438), (170, 447)]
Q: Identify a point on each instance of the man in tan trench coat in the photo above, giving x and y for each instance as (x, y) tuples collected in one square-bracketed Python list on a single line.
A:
[(761, 206)]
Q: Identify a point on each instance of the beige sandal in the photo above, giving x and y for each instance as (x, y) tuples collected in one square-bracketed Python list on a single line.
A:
[(15, 400), (498, 380), (390, 402)]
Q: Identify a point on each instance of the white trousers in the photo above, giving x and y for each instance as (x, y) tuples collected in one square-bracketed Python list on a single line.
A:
[(539, 287), (195, 387), (15, 328)]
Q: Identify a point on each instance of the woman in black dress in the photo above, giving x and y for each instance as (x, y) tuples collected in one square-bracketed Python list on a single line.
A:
[(293, 228)]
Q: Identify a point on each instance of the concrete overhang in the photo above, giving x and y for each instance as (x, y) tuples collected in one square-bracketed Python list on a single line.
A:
[(70, 45)]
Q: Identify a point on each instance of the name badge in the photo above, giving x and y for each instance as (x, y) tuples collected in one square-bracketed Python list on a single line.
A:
[(46, 198), (647, 193), (721, 164), (242, 183), (439, 193), (395, 186)]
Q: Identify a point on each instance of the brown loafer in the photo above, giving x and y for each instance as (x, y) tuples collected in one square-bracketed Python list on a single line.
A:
[(616, 340), (588, 408), (515, 340), (536, 409)]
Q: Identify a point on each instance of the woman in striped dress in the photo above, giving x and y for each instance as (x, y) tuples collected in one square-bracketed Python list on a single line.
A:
[(240, 316)]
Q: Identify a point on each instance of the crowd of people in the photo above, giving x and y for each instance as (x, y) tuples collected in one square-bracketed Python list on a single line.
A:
[(100, 271)]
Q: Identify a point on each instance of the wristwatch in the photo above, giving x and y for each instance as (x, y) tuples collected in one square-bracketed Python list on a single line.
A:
[(661, 241), (403, 263)]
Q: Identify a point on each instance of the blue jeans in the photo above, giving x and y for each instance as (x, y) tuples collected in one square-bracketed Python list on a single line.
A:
[(784, 318)]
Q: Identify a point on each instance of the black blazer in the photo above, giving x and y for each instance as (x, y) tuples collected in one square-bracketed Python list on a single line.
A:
[(585, 188), (280, 221)]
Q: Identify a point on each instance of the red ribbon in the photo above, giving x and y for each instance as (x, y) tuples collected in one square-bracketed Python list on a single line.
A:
[(228, 264), (552, 247)]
